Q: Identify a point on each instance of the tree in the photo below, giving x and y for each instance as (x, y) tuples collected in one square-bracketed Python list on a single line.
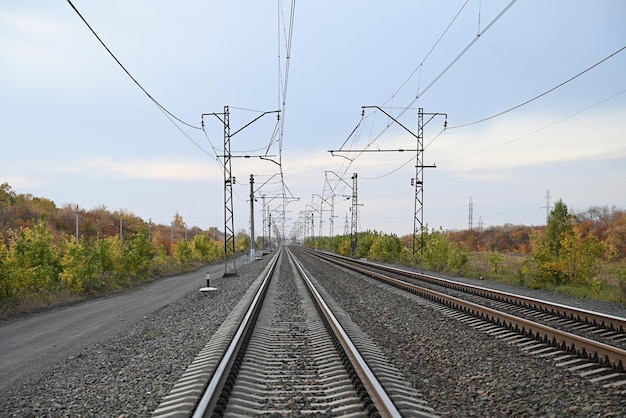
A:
[(385, 248), (7, 288), (139, 254), (561, 255), (242, 242), (35, 259), (80, 266), (559, 226)]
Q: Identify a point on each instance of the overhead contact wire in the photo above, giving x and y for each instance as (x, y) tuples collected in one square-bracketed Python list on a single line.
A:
[(445, 70)]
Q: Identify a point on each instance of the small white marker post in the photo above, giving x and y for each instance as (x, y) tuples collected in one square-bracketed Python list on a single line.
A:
[(208, 287)]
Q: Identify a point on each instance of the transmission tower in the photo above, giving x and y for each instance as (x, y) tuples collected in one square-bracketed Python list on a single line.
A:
[(547, 205), (470, 223)]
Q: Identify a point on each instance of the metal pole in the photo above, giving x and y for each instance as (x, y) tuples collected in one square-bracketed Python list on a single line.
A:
[(418, 212), (229, 221), (252, 243), (355, 218), (269, 226), (76, 212)]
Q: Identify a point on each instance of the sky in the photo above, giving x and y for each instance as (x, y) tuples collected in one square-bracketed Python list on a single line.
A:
[(75, 128)]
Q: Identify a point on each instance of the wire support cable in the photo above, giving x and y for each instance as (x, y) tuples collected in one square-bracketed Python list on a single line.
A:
[(159, 105), (420, 66), (542, 94), (389, 173), (538, 129), (442, 73)]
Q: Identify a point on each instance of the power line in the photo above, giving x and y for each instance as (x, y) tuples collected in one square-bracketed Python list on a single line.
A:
[(428, 54), (538, 129), (441, 74), (159, 105), (389, 173), (542, 94)]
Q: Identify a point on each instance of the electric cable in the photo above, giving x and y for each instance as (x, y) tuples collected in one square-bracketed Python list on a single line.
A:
[(159, 105), (538, 129), (428, 54), (438, 77), (542, 94), (389, 173)]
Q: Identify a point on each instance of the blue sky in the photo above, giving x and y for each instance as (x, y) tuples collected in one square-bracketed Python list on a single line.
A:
[(76, 129)]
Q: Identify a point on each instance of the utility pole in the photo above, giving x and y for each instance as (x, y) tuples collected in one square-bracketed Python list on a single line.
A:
[(229, 219), (76, 213), (252, 241), (418, 181), (332, 204), (269, 227), (230, 268), (355, 218), (313, 230), (264, 221), (418, 212)]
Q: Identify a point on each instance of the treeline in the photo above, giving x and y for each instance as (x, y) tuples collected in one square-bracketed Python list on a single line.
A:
[(42, 259), (567, 251), (437, 253), (606, 224)]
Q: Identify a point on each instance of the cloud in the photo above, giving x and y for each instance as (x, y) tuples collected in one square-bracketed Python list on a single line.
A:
[(17, 182), (158, 169), (532, 141), (145, 169)]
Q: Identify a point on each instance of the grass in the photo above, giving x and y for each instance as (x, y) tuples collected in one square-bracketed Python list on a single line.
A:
[(610, 287)]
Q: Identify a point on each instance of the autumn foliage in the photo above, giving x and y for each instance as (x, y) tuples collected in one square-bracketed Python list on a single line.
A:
[(42, 259), (565, 252)]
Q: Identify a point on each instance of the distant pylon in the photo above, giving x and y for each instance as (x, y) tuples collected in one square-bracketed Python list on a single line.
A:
[(547, 205), (470, 223)]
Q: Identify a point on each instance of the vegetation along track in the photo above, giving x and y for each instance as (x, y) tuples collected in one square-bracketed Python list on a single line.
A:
[(589, 343), (284, 352)]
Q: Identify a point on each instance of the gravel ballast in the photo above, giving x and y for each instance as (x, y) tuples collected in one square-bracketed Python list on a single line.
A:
[(459, 370), (127, 375)]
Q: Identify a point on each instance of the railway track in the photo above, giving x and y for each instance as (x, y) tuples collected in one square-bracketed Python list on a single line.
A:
[(286, 350), (585, 342)]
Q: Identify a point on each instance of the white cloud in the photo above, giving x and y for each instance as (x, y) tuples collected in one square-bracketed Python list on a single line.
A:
[(525, 142), (17, 182), (157, 169)]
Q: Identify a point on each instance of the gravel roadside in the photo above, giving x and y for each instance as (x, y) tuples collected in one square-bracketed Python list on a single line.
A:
[(127, 375)]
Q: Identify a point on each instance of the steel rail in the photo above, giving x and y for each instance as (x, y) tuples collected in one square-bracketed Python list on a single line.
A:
[(214, 387), (611, 322), (374, 388), (584, 347)]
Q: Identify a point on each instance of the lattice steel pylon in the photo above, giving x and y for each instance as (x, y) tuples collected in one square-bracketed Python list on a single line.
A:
[(418, 207), (230, 268), (355, 218), (229, 180), (418, 211)]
